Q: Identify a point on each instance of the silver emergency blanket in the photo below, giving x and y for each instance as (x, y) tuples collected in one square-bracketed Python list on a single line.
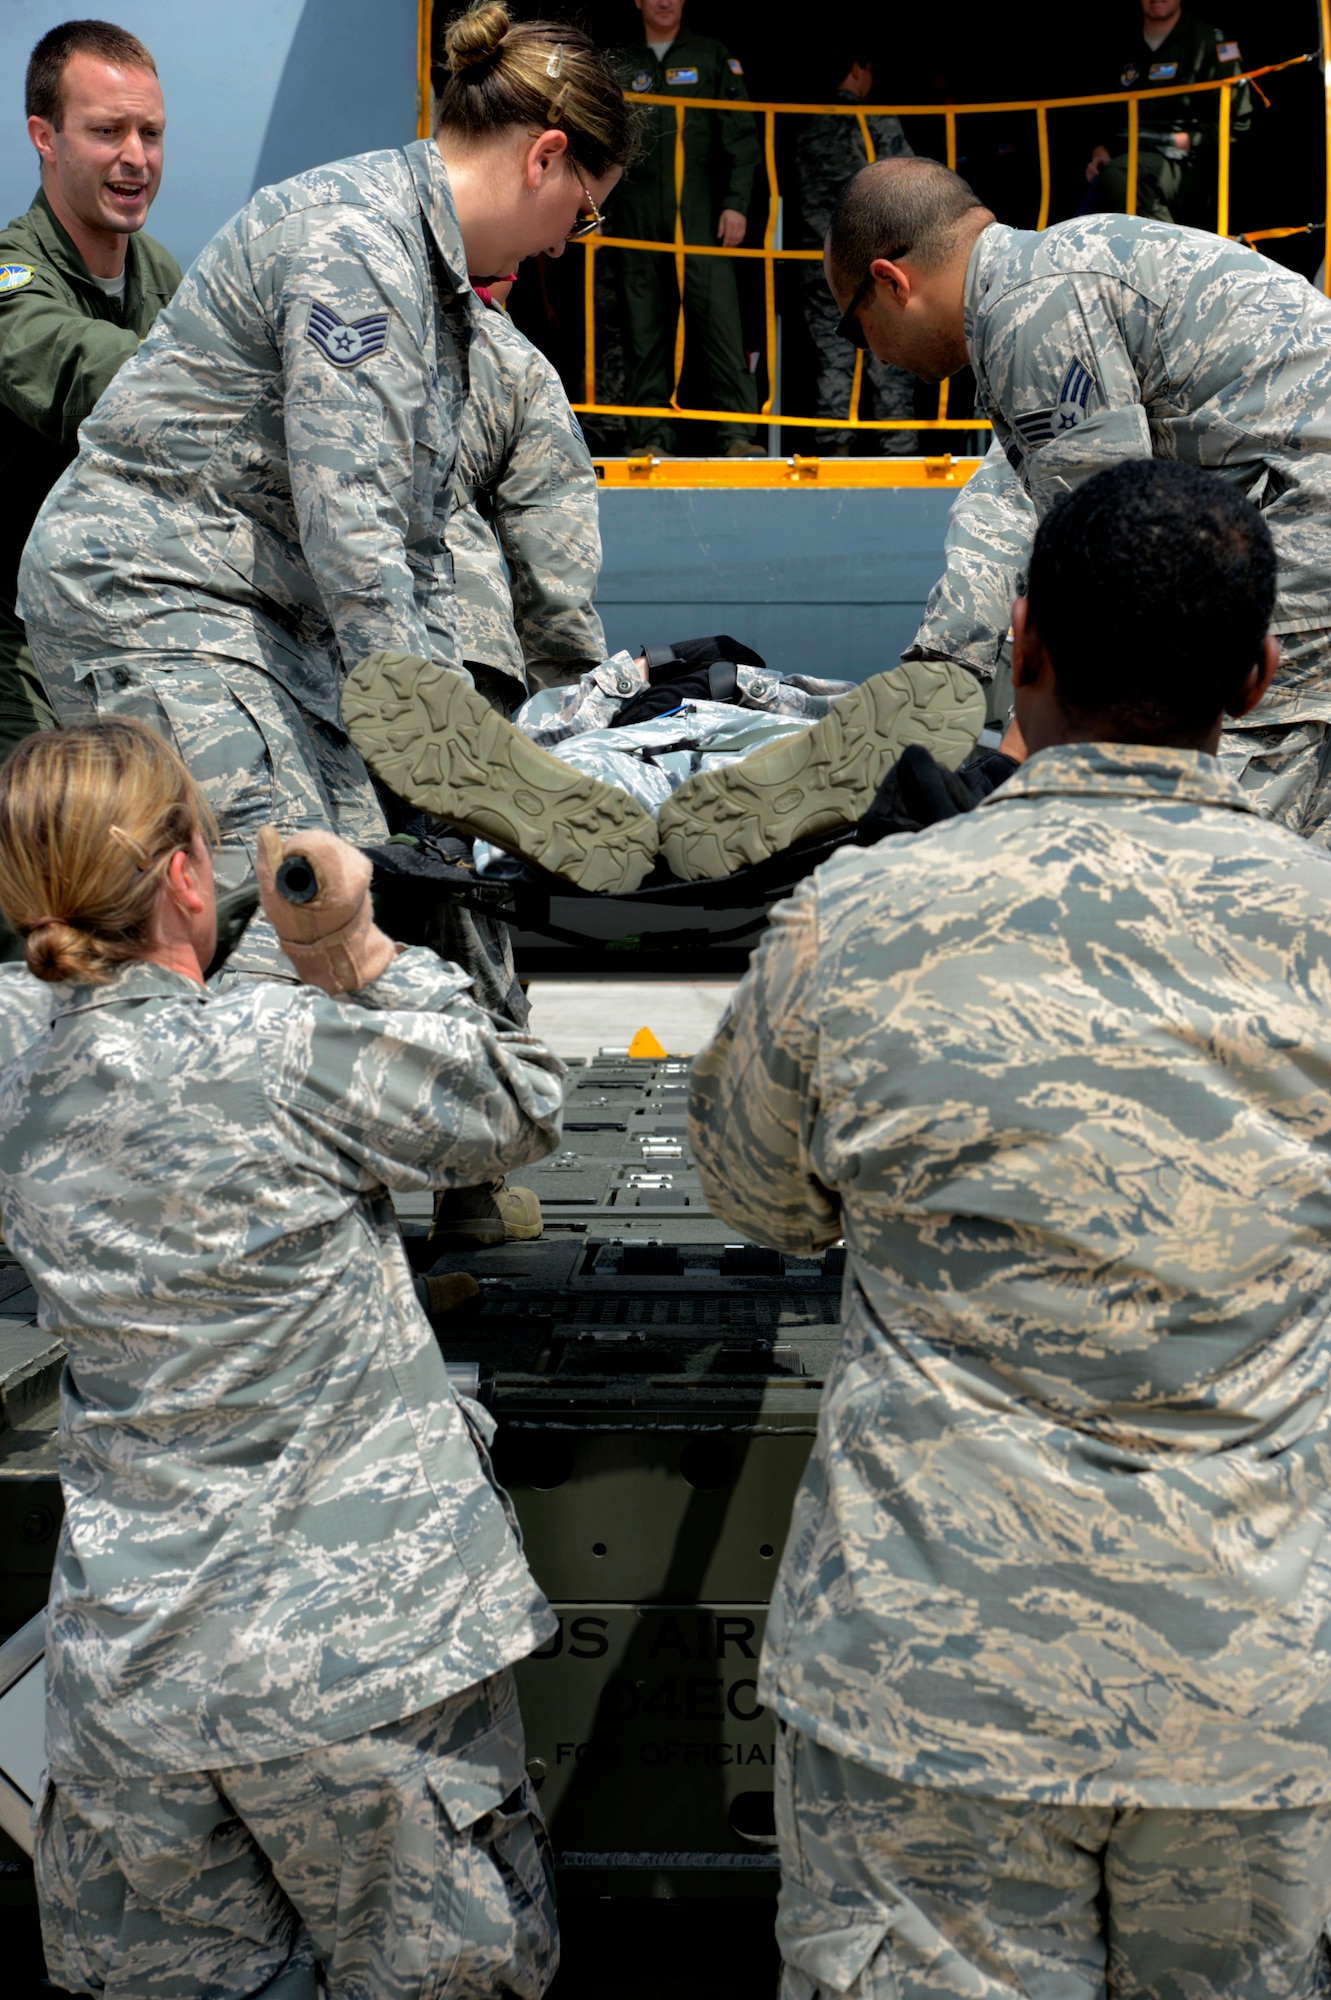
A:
[(650, 760)]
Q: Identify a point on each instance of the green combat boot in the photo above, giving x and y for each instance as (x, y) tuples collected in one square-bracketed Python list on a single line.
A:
[(481, 1218), (822, 779), (439, 745)]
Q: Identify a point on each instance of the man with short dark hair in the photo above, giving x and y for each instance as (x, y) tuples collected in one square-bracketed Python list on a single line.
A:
[(1048, 1643), (80, 285), (1109, 337)]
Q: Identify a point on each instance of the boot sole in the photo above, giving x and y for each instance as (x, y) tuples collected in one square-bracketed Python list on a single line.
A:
[(823, 779), (439, 745)]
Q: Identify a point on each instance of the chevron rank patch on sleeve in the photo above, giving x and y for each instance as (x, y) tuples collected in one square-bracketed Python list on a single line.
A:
[(1037, 427), (345, 342)]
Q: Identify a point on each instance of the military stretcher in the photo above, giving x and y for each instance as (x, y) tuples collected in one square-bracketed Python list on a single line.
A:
[(665, 922)]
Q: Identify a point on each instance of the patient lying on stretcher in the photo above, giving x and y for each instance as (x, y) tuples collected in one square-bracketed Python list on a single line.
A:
[(695, 753)]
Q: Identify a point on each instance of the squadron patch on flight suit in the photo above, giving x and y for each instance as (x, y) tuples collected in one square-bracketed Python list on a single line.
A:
[(681, 76), (1037, 427), (643, 80), (1130, 75), (13, 277), (345, 342)]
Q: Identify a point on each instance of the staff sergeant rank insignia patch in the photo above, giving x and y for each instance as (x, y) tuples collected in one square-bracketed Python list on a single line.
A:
[(13, 277), (1039, 426), (345, 342)]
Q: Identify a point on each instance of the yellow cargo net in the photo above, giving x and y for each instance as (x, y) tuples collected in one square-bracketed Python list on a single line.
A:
[(770, 256)]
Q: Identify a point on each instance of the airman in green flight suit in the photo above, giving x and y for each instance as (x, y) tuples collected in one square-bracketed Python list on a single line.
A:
[(720, 161), (1176, 160)]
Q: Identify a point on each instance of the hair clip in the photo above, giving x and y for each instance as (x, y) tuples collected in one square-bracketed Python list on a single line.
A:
[(556, 62), (135, 849)]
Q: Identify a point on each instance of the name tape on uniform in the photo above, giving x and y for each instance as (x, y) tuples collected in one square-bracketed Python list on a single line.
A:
[(681, 76)]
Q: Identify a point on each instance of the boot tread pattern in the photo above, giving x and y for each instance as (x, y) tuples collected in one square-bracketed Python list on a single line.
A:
[(823, 779), (428, 734)]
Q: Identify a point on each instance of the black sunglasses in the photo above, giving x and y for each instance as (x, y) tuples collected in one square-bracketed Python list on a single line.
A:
[(848, 326), (590, 219)]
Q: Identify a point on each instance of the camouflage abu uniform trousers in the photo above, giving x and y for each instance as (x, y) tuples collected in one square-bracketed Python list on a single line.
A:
[(1109, 337), (1282, 765), (892, 1891), (402, 1865), (829, 152)]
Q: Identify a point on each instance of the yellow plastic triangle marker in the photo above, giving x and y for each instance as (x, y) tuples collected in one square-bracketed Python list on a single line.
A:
[(644, 1043)]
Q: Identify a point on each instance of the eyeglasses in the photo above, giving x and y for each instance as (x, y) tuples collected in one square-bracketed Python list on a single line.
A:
[(588, 222), (848, 326)]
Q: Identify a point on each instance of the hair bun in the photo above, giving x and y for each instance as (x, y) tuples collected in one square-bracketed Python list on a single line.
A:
[(476, 36), (56, 952)]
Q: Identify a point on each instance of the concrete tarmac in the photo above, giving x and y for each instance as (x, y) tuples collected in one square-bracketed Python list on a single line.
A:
[(581, 1017)]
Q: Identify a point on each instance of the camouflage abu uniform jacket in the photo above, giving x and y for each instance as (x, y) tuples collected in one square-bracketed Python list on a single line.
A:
[(525, 496), (278, 1532), (1108, 337), (1060, 1072), (268, 478)]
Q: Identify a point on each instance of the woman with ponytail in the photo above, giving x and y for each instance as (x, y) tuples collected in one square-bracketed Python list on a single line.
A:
[(260, 498), (249, 552), (283, 1747)]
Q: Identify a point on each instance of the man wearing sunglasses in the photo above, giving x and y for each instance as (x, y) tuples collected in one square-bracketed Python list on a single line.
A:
[(1110, 337)]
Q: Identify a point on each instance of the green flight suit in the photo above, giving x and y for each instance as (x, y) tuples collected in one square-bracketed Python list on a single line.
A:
[(61, 341), (1174, 183), (721, 155)]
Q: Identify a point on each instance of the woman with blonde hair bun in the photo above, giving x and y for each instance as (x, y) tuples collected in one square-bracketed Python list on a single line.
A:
[(267, 482), (249, 552), (93, 824), (283, 1747)]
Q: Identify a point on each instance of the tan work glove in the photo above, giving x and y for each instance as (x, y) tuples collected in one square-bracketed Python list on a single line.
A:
[(315, 892)]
